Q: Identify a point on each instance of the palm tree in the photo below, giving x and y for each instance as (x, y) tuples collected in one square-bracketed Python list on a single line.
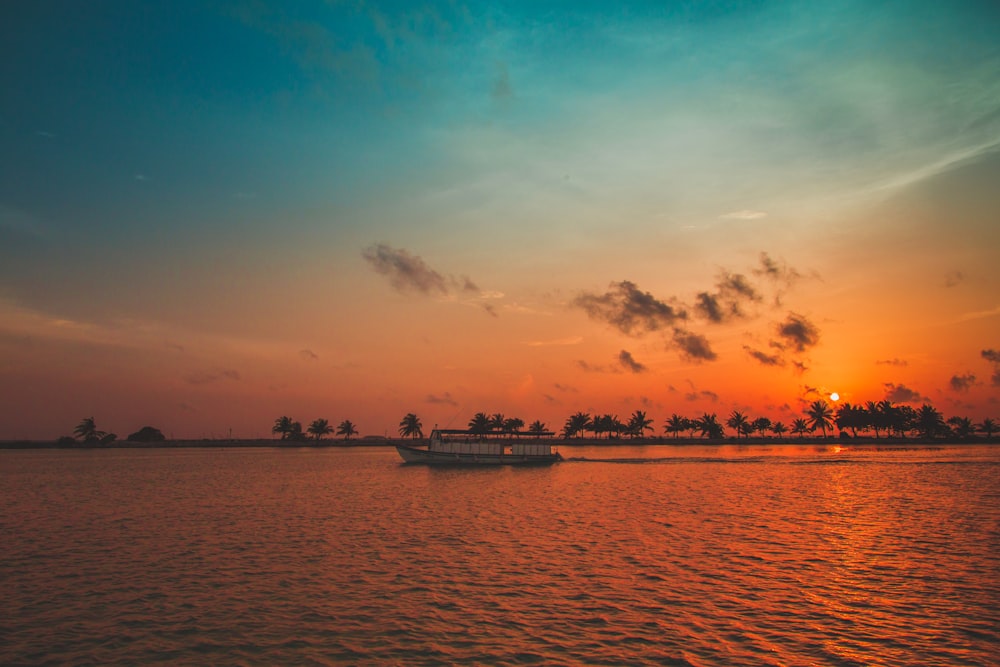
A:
[(577, 424), (283, 425), (536, 428), (480, 424), (638, 424), (963, 426), (778, 429), (410, 426), (820, 416), (709, 426), (295, 432), (875, 416), (347, 429), (496, 422), (929, 421), (512, 425), (850, 417), (761, 424), (987, 426), (738, 422), (319, 428), (676, 424), (87, 431), (800, 426)]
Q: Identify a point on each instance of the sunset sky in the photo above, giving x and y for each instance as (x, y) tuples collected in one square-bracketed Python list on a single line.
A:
[(216, 213)]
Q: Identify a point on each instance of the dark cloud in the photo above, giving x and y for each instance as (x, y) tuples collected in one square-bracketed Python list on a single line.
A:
[(995, 380), (694, 347), (308, 355), (406, 272), (798, 333), (764, 358), (467, 285), (212, 376), (629, 309), (991, 355), (954, 278), (489, 308), (698, 395), (629, 363), (737, 285), (708, 306), (898, 393), (962, 382), (562, 387), (774, 270), (446, 399), (732, 289), (891, 362)]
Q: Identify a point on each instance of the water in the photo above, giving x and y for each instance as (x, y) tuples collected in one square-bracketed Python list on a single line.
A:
[(700, 556)]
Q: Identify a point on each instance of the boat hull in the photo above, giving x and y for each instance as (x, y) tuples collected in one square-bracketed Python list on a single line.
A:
[(423, 455)]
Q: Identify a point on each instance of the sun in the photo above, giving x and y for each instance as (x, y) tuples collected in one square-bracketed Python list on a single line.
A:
[(834, 397)]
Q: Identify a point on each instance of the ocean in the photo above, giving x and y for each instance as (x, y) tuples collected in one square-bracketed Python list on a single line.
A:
[(639, 555)]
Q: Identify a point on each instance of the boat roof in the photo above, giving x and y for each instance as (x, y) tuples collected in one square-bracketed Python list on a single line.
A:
[(465, 431)]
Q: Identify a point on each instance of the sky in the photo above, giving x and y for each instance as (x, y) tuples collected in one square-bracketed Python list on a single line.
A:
[(216, 213)]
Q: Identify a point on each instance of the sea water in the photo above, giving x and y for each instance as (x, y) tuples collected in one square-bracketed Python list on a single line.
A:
[(658, 555)]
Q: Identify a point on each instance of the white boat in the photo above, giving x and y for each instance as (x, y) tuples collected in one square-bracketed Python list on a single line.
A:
[(458, 447)]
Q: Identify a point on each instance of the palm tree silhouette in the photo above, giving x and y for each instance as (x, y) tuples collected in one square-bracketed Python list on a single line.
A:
[(576, 425), (820, 416), (761, 425), (963, 426), (319, 428), (347, 429), (512, 425), (496, 422), (738, 422), (675, 424), (638, 424), (480, 424), (987, 426), (536, 428), (778, 429), (87, 431), (410, 426), (709, 426), (929, 421), (800, 427), (283, 425)]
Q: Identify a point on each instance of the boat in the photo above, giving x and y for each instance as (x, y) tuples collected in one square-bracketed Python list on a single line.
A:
[(451, 447)]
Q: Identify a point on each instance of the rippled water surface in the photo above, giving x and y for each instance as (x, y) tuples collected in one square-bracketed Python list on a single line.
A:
[(788, 555)]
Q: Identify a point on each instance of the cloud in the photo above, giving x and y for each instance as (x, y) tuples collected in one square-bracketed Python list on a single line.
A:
[(628, 309), (979, 314), (962, 383), (898, 393), (502, 90), (406, 272), (953, 278), (489, 308), (591, 368), (991, 355), (566, 388), (308, 355), (209, 377), (698, 395), (995, 379), (731, 290), (764, 358), (694, 347), (446, 399), (892, 362), (569, 340), (775, 270), (798, 332), (745, 214), (629, 363)]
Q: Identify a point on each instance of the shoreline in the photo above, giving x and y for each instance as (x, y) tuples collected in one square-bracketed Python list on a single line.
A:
[(558, 442)]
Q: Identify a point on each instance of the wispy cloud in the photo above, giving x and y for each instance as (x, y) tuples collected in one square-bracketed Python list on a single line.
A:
[(408, 273), (569, 340), (798, 333), (629, 363), (308, 355), (444, 399), (892, 362), (962, 383), (899, 393), (629, 309), (693, 347), (745, 214)]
